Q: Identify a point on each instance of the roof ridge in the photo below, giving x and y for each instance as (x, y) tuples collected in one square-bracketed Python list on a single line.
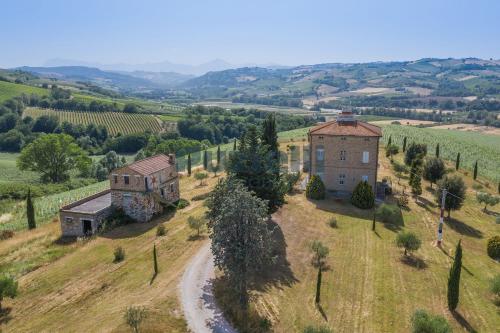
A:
[(369, 127), (318, 127), (148, 158)]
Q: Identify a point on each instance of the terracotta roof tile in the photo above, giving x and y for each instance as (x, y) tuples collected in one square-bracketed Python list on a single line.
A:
[(355, 128), (151, 164)]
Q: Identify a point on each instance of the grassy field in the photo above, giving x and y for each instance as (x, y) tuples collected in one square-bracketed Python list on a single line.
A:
[(473, 146), (10, 172), (368, 286), (9, 90), (115, 122), (80, 289)]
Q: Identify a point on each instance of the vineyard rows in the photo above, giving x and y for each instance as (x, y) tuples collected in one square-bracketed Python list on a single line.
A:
[(472, 146), (115, 122)]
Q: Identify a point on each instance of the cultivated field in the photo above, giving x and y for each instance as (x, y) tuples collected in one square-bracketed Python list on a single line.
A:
[(473, 146), (368, 286), (115, 122), (406, 122), (470, 127), (9, 90)]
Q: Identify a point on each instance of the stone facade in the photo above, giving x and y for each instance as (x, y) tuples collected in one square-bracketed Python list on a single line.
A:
[(343, 154), (142, 189)]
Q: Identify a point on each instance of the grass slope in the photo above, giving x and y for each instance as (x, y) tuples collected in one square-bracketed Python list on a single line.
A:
[(368, 287), (9, 90), (84, 291)]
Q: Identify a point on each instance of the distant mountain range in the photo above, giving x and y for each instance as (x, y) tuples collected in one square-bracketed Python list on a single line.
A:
[(163, 66)]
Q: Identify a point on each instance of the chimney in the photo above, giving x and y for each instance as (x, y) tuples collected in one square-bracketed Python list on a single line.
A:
[(171, 159), (346, 117)]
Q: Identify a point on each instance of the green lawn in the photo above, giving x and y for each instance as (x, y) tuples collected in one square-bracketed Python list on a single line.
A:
[(10, 173)]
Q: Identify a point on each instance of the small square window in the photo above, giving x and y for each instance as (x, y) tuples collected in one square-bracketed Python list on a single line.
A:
[(126, 179), (68, 219), (172, 188), (162, 192), (364, 178), (367, 139), (343, 138), (343, 155), (341, 179)]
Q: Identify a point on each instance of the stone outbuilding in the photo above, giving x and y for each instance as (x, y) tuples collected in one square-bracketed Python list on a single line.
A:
[(344, 152), (142, 189)]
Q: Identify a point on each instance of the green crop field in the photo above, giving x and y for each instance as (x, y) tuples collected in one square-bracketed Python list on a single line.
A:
[(115, 122), (9, 90), (473, 146)]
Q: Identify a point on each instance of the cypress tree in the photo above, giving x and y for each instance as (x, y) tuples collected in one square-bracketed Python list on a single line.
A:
[(475, 170), (218, 155), (373, 224), (269, 134), (318, 286), (454, 279), (189, 164), (155, 260), (437, 150), (205, 160), (30, 211), (234, 145), (457, 163), (389, 142), (404, 144)]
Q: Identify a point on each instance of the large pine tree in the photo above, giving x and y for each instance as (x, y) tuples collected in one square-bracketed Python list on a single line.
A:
[(454, 279), (258, 168), (30, 211)]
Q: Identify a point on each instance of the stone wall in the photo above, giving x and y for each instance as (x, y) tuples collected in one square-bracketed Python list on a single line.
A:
[(140, 206), (75, 226)]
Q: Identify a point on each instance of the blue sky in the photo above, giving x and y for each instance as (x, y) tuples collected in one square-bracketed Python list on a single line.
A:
[(273, 31)]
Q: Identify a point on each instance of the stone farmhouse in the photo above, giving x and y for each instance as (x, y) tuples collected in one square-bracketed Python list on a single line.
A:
[(142, 189), (344, 152)]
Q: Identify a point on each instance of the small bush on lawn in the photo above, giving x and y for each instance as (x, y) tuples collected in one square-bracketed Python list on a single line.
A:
[(409, 241), (6, 234), (495, 285), (388, 213), (160, 230), (182, 203), (119, 254), (317, 329), (493, 247), (134, 316), (424, 322), (315, 189), (362, 196), (403, 201), (332, 222)]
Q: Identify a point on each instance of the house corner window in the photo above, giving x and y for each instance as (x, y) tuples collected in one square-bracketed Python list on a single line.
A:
[(126, 179), (366, 157)]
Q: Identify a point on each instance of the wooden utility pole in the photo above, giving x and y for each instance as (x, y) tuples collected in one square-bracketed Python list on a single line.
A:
[(441, 217)]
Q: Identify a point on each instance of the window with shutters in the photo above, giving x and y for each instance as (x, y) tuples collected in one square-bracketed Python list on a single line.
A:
[(320, 154), (343, 155), (341, 179)]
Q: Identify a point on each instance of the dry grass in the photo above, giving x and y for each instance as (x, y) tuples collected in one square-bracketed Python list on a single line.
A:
[(470, 127), (368, 287), (84, 291)]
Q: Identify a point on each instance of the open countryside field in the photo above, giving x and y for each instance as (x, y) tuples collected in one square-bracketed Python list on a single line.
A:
[(115, 122), (85, 283), (368, 286), (473, 146), (9, 90), (470, 128)]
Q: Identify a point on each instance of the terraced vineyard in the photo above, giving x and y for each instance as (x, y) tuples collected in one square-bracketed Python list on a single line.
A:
[(115, 122)]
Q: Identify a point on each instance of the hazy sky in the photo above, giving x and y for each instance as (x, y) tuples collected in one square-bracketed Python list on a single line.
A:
[(272, 31)]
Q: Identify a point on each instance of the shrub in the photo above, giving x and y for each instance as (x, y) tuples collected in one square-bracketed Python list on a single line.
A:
[(317, 329), (493, 247), (497, 220), (201, 176), (423, 322), (363, 196), (495, 285), (332, 222), (290, 180), (196, 223), (388, 213), (182, 203), (117, 218), (134, 315), (415, 151), (403, 201), (315, 189), (408, 240), (8, 288), (160, 230), (119, 254), (6, 234)]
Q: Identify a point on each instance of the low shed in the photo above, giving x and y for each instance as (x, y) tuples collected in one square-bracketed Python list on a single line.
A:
[(84, 217)]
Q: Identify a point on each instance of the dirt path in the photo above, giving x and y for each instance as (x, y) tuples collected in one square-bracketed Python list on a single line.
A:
[(198, 302)]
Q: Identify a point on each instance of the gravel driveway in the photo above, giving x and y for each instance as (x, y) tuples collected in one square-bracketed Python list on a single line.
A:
[(198, 302)]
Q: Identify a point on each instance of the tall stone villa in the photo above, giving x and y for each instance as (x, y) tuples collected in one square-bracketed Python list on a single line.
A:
[(142, 189), (344, 152)]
